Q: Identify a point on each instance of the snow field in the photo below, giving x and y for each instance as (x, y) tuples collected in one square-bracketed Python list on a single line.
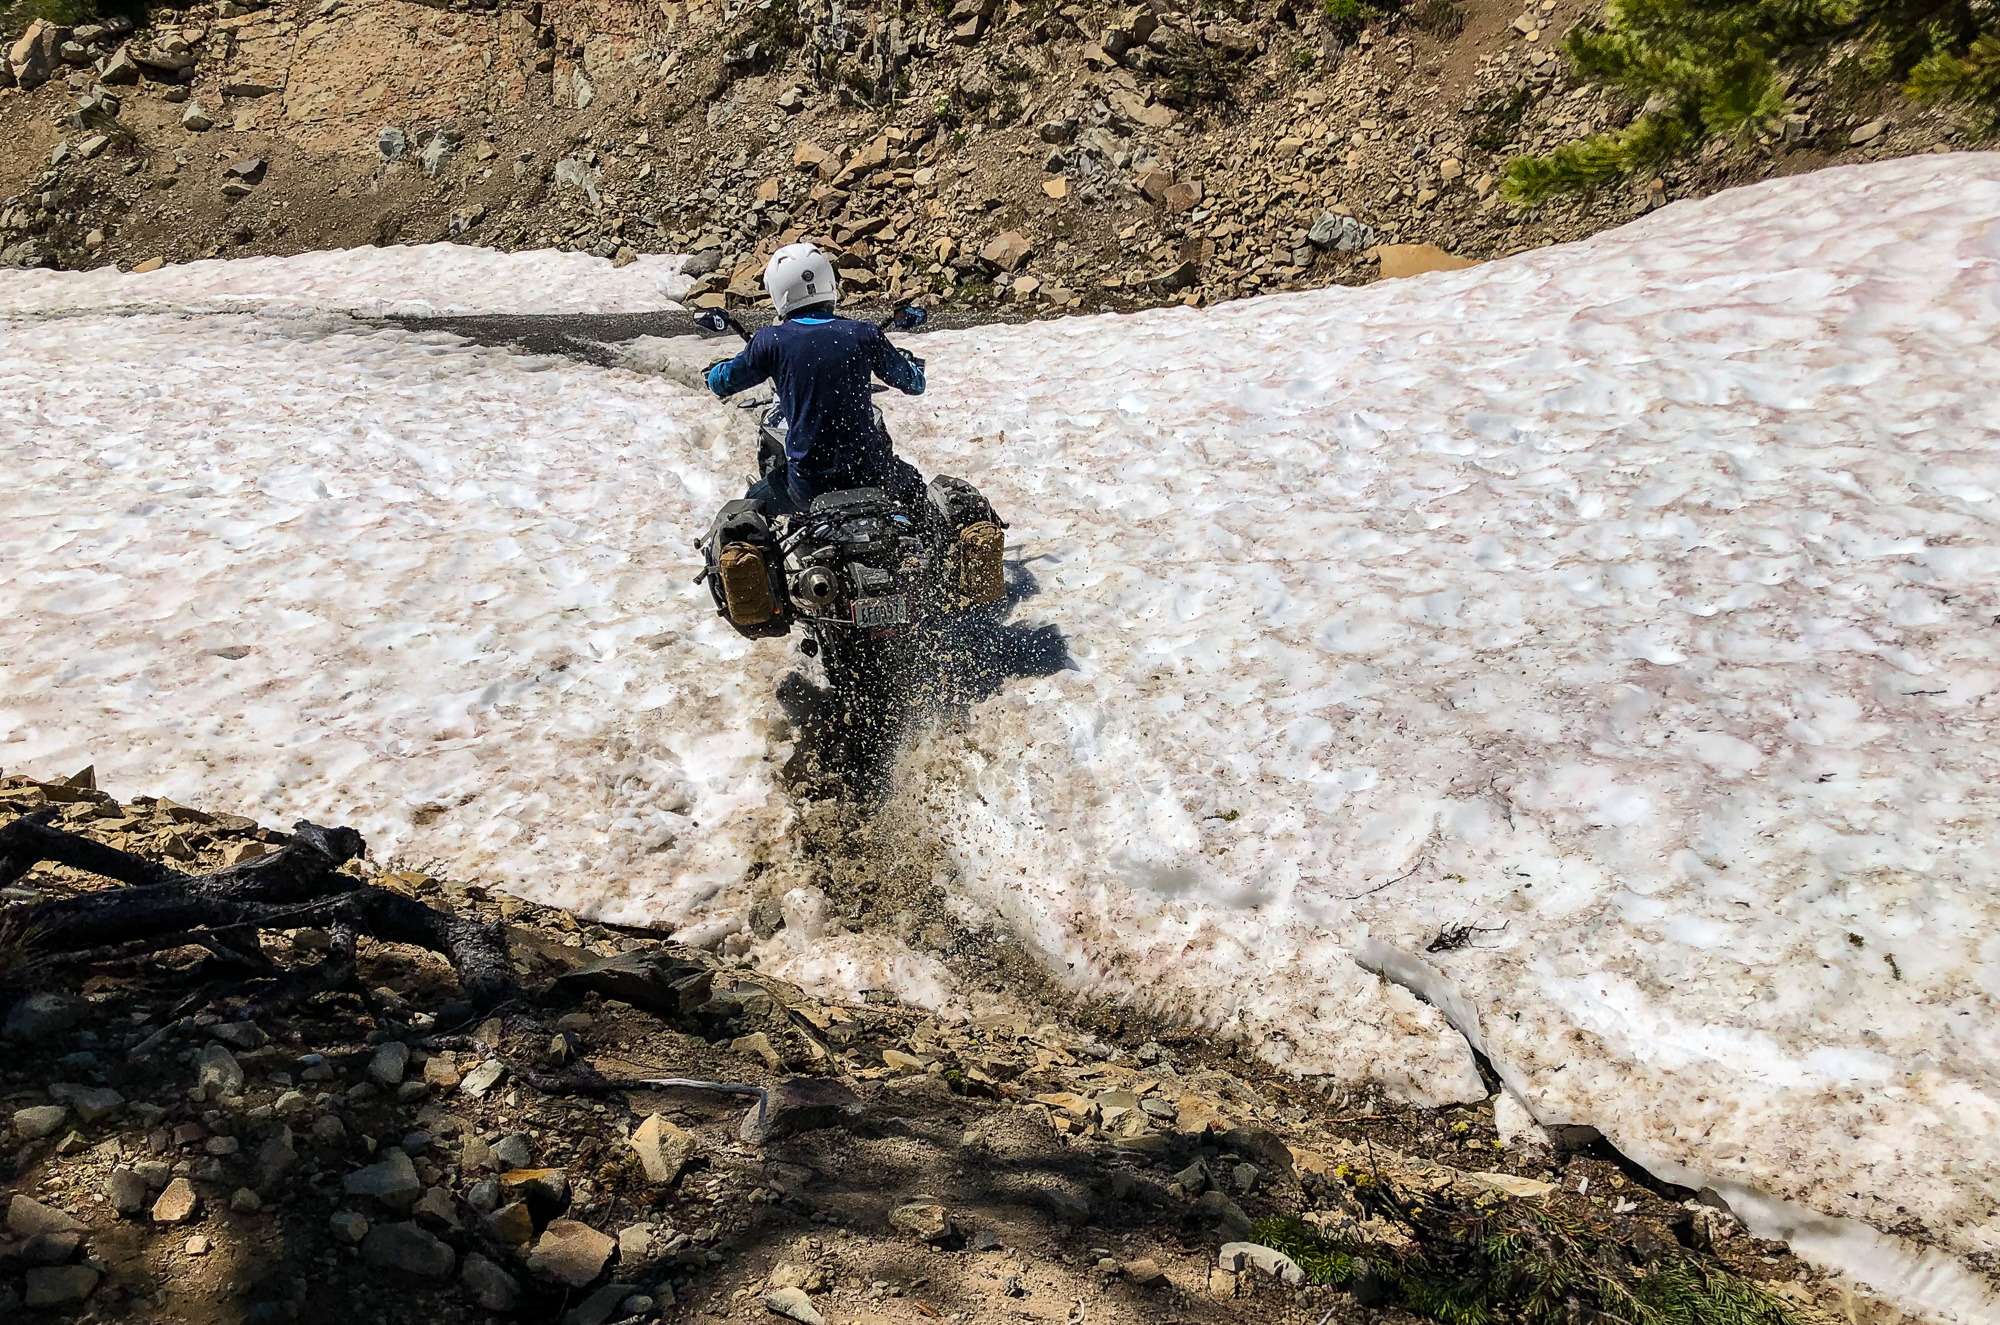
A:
[(1629, 601)]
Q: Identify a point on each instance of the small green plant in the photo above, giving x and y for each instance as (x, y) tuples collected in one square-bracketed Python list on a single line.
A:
[(1303, 58)]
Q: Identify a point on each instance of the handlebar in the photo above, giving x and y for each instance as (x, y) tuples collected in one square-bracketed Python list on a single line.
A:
[(715, 321)]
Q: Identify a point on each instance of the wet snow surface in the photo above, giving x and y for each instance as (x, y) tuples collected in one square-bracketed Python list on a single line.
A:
[(1633, 601)]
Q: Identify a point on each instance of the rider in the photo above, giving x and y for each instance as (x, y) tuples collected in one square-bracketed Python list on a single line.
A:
[(821, 367)]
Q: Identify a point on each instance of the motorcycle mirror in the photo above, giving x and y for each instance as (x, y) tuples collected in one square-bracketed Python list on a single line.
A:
[(712, 320), (911, 318)]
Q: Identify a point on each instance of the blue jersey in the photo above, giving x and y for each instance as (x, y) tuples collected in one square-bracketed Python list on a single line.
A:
[(821, 368)]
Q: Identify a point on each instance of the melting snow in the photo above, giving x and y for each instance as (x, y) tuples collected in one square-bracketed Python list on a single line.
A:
[(1632, 601)]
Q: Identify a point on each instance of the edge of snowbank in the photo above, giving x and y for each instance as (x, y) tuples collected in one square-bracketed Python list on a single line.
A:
[(1913, 1278), (414, 280)]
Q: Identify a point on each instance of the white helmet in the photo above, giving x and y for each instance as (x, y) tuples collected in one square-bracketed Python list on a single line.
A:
[(799, 276)]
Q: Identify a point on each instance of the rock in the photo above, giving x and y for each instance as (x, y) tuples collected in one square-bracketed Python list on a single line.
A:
[(1238, 1256), (437, 1207), (1183, 197), (392, 145), (93, 146), (29, 1218), (1154, 185), (482, 1079), (649, 979), (217, 1072), (38, 1121), (196, 120), (34, 57), (126, 1191), (245, 1202), (793, 1304), (544, 1187), (1343, 234), (924, 1217), (757, 1044), (570, 1252), (275, 1157), (143, 266), (663, 1149), (1146, 1273), (251, 170), (120, 69), (1400, 260), (807, 1278), (1369, 1289), (1866, 133), (634, 1241), (802, 1104), (437, 151), (408, 1248), (599, 1306), (1246, 1178), (349, 1226), (484, 1196), (51, 1248), (1008, 251), (1514, 1185), (1131, 106), (393, 1181), (475, 1154), (512, 1224), (490, 1286), (390, 1060), (637, 1305), (238, 1034), (39, 1017), (1450, 169), (250, 89), (811, 156), (1216, 1211), (177, 1204), (702, 263), (1057, 132), (1064, 1206), (1193, 1179), (92, 1103), (511, 1152), (61, 1285)]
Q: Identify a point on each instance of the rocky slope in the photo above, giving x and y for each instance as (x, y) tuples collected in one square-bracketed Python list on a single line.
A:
[(380, 1153), (1041, 157)]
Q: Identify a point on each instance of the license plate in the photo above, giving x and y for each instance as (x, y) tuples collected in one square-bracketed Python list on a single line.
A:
[(891, 611)]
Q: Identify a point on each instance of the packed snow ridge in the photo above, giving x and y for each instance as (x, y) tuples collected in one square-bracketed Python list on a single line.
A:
[(1632, 601)]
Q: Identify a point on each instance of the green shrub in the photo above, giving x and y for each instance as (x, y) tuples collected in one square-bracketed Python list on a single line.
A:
[(1708, 69)]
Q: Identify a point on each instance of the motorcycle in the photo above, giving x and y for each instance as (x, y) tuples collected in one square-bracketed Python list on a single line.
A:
[(866, 574)]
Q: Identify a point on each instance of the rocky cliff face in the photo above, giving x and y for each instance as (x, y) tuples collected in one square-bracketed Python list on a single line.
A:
[(1034, 158)]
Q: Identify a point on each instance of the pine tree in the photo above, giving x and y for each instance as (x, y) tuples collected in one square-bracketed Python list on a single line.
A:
[(1705, 69)]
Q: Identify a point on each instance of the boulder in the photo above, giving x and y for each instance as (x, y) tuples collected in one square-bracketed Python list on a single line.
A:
[(482, 1079), (650, 980), (177, 1204), (570, 1253), (924, 1217), (390, 1060), (793, 1304), (1009, 250), (349, 1226), (801, 1104), (119, 69), (36, 55), (1239, 1256), (1182, 197), (512, 1224), (29, 1218), (217, 1071), (61, 1285), (600, 1305), (408, 1248), (38, 1017), (663, 1149), (1343, 234), (38, 1121), (393, 1181), (1399, 260), (489, 1285), (126, 1191), (92, 1103)]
